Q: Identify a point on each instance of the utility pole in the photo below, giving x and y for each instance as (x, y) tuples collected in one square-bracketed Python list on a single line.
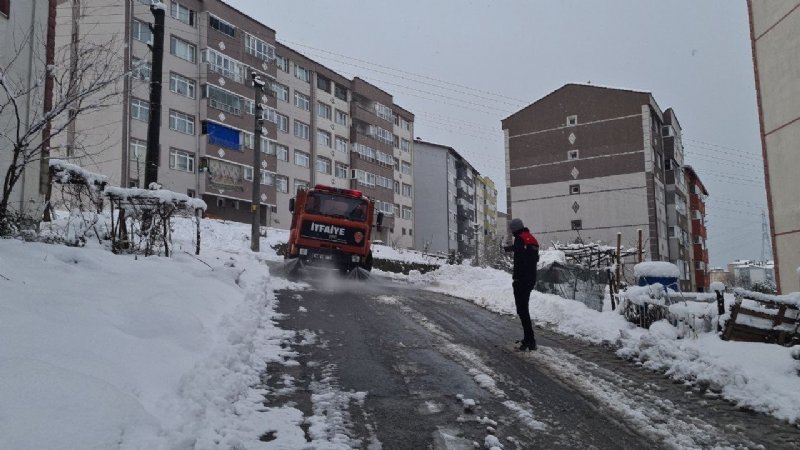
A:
[(255, 206), (154, 123), (477, 246)]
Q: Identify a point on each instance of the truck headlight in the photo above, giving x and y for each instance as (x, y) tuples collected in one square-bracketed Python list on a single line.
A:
[(304, 251), (356, 258)]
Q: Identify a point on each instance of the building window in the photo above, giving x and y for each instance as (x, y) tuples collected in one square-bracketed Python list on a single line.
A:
[(226, 101), (5, 7), (381, 134), (282, 63), (181, 160), (324, 110), (340, 92), (406, 190), (180, 122), (258, 48), (383, 111), (220, 202), (181, 85), (282, 122), (182, 49), (574, 188), (282, 152), (302, 73), (397, 187), (572, 155), (667, 164), (324, 138), (572, 121), (137, 149), (341, 117), (267, 179), (406, 212), (141, 32), (323, 165), (405, 168), (405, 145), (302, 130), (221, 25), (281, 184), (248, 173), (301, 158), (301, 101), (300, 184), (140, 110), (341, 170), (224, 65), (141, 70), (323, 84), (342, 144), (181, 13), (396, 141), (190, 193), (577, 225), (281, 92)]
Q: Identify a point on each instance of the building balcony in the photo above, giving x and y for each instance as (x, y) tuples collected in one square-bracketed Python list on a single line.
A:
[(698, 229), (465, 213)]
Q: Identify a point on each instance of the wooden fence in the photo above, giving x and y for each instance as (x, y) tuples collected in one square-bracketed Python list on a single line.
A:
[(757, 317)]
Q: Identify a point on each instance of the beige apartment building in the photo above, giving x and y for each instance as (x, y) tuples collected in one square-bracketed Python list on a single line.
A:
[(23, 59), (775, 37), (320, 127)]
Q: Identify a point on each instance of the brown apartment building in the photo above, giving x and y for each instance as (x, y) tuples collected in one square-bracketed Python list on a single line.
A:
[(697, 207), (319, 127), (586, 162)]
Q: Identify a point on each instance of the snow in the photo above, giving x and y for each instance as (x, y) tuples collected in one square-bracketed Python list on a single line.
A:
[(759, 376), (162, 195), (91, 178), (114, 351), (656, 269), (717, 286), (792, 299)]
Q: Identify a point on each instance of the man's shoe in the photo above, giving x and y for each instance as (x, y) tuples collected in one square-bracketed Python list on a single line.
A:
[(527, 346)]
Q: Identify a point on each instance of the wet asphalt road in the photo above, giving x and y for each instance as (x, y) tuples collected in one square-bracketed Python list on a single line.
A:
[(409, 363)]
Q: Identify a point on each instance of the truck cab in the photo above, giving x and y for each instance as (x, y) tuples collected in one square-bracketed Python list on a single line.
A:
[(332, 225)]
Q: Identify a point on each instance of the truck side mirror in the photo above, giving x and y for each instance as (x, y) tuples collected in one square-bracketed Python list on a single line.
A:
[(379, 221), (291, 205)]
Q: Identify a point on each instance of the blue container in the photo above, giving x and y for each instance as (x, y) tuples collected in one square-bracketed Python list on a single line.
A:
[(667, 282)]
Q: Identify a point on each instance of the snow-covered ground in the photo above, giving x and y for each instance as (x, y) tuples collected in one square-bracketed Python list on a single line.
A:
[(112, 351)]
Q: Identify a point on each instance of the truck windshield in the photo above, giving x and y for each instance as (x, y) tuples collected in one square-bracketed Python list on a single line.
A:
[(337, 206)]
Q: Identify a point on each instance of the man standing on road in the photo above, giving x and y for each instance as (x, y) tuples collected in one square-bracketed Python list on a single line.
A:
[(526, 256)]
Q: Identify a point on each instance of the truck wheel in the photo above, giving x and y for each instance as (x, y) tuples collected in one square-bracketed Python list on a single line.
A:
[(368, 262)]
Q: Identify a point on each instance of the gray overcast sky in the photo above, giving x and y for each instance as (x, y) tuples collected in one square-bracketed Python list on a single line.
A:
[(462, 66)]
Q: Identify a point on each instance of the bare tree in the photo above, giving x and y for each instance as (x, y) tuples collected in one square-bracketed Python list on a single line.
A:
[(83, 78)]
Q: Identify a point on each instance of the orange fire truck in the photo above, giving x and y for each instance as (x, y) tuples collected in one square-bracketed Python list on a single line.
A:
[(332, 225)]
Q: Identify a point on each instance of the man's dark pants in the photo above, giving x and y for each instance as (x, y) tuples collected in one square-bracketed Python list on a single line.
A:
[(522, 295)]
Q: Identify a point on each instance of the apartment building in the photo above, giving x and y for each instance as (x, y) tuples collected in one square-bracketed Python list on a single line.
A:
[(775, 38), (680, 239), (27, 33), (697, 211), (446, 203), (586, 162), (319, 127)]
